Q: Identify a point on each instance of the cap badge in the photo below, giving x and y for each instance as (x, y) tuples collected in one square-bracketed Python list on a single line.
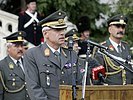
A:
[(121, 21), (19, 38), (46, 52), (60, 21)]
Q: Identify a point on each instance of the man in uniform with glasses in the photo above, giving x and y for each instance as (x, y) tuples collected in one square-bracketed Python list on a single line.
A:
[(116, 75)]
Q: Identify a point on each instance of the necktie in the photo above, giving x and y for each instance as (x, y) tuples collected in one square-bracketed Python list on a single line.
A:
[(19, 68), (57, 54), (119, 49)]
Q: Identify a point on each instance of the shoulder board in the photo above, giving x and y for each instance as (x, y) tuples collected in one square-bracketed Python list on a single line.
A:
[(124, 42), (102, 43), (65, 47)]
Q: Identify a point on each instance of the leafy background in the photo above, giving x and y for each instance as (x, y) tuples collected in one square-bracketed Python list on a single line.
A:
[(95, 11)]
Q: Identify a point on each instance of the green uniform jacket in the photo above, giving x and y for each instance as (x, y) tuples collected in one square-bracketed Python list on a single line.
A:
[(12, 81), (116, 79), (44, 74)]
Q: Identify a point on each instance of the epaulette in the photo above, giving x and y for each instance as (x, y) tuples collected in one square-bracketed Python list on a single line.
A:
[(124, 42), (65, 47), (102, 43)]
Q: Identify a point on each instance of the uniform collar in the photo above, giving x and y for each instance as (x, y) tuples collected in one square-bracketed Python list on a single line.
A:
[(115, 45), (52, 49), (15, 61)]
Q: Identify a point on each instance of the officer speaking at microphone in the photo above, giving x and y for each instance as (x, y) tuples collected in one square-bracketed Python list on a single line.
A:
[(48, 65), (12, 79)]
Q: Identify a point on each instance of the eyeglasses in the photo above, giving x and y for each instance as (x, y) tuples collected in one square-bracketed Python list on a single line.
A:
[(120, 25)]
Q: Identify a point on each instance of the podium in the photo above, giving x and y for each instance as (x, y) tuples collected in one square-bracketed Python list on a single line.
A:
[(99, 92)]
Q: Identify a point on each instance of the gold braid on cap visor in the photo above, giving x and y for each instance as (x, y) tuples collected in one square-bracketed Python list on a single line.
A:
[(54, 23), (116, 22), (19, 39), (14, 41)]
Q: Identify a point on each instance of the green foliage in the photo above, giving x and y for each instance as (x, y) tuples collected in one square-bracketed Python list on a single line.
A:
[(77, 8), (126, 8)]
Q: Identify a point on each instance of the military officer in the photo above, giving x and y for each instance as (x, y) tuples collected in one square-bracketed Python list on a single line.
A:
[(27, 22), (12, 81), (45, 69), (25, 46), (71, 32), (116, 75)]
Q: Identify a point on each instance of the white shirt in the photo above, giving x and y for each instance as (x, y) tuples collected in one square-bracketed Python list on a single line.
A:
[(52, 49), (15, 61), (115, 45)]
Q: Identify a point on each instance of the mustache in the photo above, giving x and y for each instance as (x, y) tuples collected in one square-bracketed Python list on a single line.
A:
[(20, 51), (122, 33)]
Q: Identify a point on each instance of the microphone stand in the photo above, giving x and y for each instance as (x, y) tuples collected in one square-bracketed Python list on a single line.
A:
[(109, 55), (70, 48), (86, 70)]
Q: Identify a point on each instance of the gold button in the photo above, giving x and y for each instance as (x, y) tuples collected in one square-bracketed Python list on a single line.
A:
[(47, 71), (62, 72), (13, 79)]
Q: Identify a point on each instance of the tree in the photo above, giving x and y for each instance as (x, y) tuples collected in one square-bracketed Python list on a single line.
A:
[(77, 8), (126, 8)]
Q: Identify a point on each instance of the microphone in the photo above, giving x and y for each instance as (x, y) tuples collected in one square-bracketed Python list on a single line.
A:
[(97, 45), (70, 42), (121, 59), (98, 73)]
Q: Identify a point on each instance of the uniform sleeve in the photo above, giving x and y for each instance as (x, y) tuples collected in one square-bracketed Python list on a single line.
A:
[(99, 57), (32, 78), (98, 60), (21, 22), (1, 88), (93, 62)]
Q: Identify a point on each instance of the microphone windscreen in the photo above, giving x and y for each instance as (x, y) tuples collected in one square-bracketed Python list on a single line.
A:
[(96, 71)]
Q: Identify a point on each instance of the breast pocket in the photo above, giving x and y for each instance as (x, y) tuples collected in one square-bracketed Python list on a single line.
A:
[(14, 82), (48, 77)]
